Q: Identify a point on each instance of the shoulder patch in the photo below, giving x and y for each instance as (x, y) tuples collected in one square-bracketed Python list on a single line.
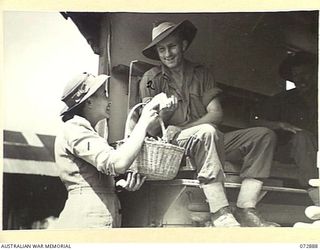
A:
[(149, 81)]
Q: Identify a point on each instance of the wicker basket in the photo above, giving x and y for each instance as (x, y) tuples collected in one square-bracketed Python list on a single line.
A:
[(157, 159)]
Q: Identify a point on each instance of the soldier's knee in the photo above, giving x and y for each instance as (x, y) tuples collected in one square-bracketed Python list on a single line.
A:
[(266, 134), (209, 130), (303, 135)]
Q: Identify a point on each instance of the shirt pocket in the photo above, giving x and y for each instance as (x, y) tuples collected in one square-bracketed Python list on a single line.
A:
[(196, 107)]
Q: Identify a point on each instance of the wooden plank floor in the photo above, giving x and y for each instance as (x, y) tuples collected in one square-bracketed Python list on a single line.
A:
[(195, 183), (284, 205)]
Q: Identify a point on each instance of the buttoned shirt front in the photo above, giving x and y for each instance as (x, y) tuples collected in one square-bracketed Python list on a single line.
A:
[(84, 158), (196, 91)]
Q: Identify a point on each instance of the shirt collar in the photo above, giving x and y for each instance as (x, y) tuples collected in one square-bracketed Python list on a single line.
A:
[(187, 67), (81, 121), (165, 72)]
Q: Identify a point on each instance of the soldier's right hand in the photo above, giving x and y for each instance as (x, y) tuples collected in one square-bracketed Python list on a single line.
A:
[(289, 127)]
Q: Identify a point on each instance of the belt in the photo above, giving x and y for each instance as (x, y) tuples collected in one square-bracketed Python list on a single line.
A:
[(93, 190)]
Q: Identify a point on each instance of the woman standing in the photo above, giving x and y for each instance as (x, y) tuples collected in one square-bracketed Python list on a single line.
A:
[(87, 164)]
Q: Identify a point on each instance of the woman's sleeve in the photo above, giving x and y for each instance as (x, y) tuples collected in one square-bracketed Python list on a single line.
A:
[(86, 144)]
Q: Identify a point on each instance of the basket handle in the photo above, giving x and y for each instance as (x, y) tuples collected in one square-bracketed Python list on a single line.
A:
[(126, 132)]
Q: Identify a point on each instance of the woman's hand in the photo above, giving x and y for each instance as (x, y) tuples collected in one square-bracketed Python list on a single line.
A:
[(149, 114), (133, 182), (161, 101)]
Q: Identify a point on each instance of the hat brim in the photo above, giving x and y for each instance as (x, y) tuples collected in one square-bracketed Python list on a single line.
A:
[(189, 32), (97, 83)]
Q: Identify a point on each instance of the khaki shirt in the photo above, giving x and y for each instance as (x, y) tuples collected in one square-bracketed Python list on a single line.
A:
[(84, 158), (197, 90)]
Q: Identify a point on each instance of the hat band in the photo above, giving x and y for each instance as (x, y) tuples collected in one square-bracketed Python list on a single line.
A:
[(76, 97), (161, 28)]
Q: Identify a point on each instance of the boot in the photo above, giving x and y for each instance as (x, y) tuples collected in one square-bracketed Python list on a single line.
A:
[(245, 213), (221, 215), (224, 218), (249, 217)]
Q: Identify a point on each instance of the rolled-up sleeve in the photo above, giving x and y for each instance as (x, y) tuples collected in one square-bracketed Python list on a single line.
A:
[(85, 143), (209, 89)]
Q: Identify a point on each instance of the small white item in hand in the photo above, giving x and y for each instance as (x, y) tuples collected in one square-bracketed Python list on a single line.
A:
[(133, 181), (167, 102), (121, 183), (163, 101)]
